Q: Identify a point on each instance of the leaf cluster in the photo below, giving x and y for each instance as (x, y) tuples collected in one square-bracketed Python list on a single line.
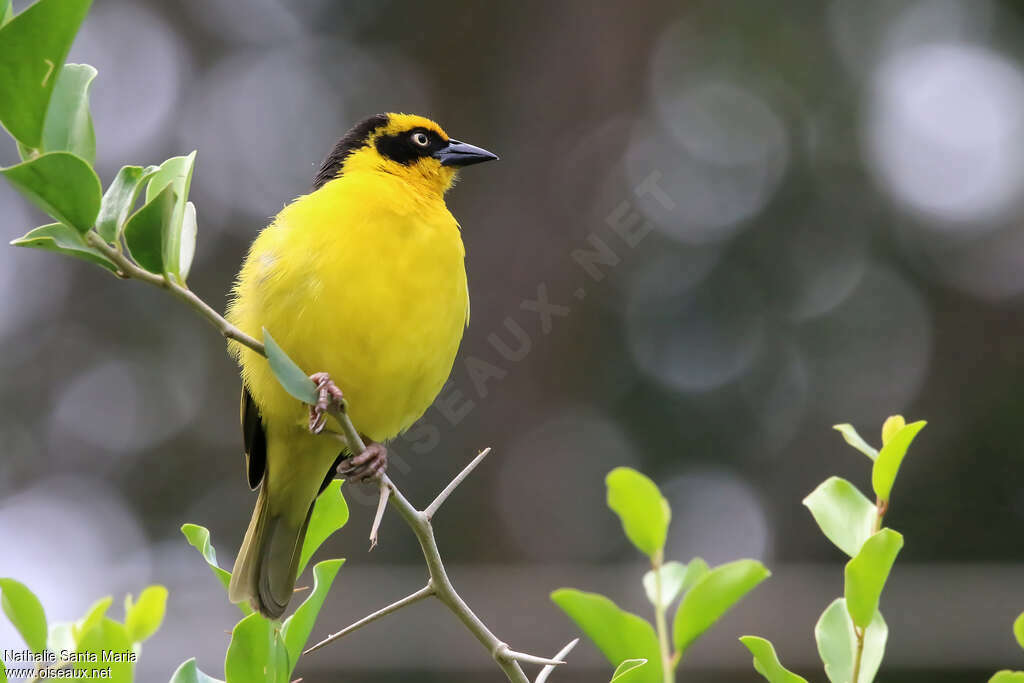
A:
[(94, 633), (268, 650), (851, 633), (260, 649), (44, 105), (704, 593)]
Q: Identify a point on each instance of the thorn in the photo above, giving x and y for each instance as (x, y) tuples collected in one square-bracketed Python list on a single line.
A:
[(459, 478), (542, 677), (382, 502), (502, 651)]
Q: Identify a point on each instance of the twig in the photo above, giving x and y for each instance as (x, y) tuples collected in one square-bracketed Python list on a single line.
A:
[(881, 507), (353, 440), (505, 651), (667, 669), (431, 509), (440, 585), (382, 502), (127, 269), (542, 677), (859, 634), (443, 588), (421, 594)]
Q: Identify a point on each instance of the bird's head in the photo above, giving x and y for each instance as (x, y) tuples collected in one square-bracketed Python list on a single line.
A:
[(411, 147)]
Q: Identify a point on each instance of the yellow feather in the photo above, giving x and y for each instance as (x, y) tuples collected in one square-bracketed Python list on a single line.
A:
[(364, 279)]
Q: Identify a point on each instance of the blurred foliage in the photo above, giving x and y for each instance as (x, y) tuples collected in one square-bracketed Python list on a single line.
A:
[(1007, 676), (93, 642), (260, 650), (268, 650), (44, 104), (707, 594), (851, 633), (54, 130)]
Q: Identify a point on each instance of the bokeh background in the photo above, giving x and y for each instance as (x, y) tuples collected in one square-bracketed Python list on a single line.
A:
[(836, 237)]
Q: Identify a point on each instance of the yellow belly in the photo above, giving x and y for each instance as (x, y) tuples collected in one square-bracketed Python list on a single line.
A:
[(367, 282)]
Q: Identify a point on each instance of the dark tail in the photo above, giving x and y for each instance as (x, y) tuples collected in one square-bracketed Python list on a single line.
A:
[(264, 572)]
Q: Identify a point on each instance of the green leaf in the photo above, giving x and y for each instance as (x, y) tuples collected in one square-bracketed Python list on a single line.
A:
[(3, 669), (883, 474), (178, 247), (298, 626), (627, 671), (35, 44), (673, 574), (187, 241), (199, 538), (330, 513), (61, 638), (638, 502), (25, 611), (867, 572), (144, 232), (892, 424), (59, 183), (695, 571), (61, 239), (119, 200), (855, 440), (712, 596), (188, 672), (96, 612), (143, 618), (176, 171), (290, 375), (27, 153), (766, 662), (6, 14), (1007, 676), (1018, 629), (257, 653), (844, 514), (618, 634), (837, 644), (68, 125), (107, 634)]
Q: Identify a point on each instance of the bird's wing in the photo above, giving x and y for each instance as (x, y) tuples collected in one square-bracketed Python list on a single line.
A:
[(255, 440)]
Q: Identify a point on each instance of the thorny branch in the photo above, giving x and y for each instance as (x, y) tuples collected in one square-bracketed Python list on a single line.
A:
[(439, 585)]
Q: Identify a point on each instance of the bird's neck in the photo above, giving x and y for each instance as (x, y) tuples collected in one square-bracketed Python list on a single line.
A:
[(403, 194), (427, 182)]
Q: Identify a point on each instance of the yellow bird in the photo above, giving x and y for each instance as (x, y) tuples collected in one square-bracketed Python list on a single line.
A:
[(363, 281)]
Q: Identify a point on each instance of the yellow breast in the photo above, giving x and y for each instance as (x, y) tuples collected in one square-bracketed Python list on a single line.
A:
[(365, 280)]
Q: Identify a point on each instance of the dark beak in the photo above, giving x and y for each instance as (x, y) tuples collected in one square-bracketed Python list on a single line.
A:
[(457, 153)]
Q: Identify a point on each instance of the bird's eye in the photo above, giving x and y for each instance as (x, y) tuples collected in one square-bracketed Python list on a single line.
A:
[(421, 139)]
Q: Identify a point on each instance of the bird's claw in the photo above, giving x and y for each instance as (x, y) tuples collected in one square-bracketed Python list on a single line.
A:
[(367, 465), (327, 393)]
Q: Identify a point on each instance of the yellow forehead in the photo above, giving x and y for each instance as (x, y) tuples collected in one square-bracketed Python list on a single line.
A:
[(400, 123)]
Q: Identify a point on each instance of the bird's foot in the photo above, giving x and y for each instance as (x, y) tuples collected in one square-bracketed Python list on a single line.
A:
[(367, 465), (327, 393)]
